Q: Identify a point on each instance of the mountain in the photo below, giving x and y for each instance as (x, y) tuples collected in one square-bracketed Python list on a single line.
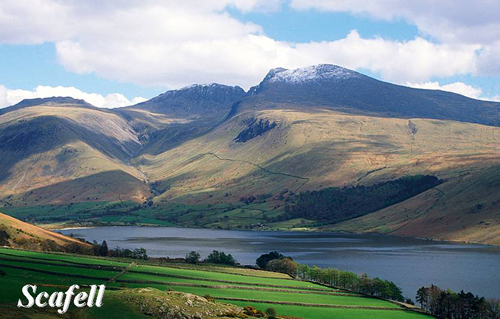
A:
[(337, 88), (189, 112), (64, 151), (50, 101), (194, 101), (291, 134), (17, 234), (215, 156)]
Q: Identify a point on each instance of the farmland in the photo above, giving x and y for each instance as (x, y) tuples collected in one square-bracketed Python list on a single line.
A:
[(227, 289)]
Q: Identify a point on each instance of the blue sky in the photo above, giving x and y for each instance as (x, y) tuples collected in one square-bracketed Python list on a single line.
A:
[(112, 60)]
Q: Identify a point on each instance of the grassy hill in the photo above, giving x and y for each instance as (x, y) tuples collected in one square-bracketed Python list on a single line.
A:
[(18, 234), (63, 153), (144, 290)]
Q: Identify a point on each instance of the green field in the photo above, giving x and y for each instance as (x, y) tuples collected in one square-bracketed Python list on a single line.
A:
[(227, 285), (227, 216)]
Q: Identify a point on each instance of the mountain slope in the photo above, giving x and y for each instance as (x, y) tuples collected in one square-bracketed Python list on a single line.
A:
[(46, 145), (462, 209), (187, 113), (313, 150), (344, 90), (18, 234), (194, 101)]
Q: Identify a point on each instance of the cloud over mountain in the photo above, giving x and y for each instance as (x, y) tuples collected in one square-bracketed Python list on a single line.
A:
[(173, 44)]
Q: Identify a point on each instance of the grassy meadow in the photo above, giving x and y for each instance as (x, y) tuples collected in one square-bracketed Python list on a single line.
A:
[(227, 289)]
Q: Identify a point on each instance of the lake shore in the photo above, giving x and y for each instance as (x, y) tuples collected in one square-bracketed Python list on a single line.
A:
[(409, 262)]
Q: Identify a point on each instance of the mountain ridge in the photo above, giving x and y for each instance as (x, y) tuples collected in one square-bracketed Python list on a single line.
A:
[(351, 92)]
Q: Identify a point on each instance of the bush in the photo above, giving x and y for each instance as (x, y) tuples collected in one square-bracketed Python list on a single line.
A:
[(253, 312), (271, 312), (4, 238)]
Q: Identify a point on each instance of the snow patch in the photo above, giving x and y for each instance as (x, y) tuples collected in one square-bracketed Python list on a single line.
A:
[(311, 73), (192, 86)]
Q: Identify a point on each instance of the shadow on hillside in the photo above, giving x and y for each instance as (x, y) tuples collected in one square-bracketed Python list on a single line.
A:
[(106, 186), (25, 139)]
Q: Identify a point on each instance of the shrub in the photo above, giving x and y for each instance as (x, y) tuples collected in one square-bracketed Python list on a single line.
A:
[(253, 312), (271, 312)]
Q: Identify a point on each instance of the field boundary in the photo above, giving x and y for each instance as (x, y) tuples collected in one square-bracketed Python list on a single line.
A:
[(183, 284), (221, 272), (222, 281), (310, 304), (88, 266)]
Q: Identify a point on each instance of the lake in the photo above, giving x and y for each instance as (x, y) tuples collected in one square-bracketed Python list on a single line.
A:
[(410, 263)]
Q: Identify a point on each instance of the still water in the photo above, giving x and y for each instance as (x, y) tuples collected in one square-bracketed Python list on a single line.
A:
[(410, 263)]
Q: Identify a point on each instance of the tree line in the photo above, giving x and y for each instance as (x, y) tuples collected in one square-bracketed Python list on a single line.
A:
[(215, 257), (438, 302), (352, 281), (277, 262), (335, 204), (452, 305), (103, 250)]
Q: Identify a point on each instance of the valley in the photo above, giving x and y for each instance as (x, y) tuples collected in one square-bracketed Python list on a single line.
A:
[(214, 156)]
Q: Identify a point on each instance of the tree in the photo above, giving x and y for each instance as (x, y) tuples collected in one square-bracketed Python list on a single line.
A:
[(95, 248), (193, 257), (366, 285), (4, 238), (140, 253), (303, 271), (217, 257), (285, 266), (395, 293), (103, 249), (265, 258)]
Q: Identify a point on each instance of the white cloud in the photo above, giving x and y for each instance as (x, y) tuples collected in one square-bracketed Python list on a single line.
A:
[(447, 20), (10, 97), (416, 60), (456, 87), (175, 43)]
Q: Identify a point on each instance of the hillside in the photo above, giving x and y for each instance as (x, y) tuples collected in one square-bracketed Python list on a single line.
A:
[(191, 111), (61, 152), (215, 156), (462, 209), (195, 101), (17, 234)]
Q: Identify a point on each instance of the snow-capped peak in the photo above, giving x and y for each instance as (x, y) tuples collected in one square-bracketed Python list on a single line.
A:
[(310, 73), (205, 85)]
